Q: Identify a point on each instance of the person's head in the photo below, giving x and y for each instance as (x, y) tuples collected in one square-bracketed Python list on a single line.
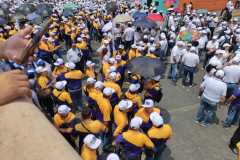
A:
[(70, 66), (63, 110), (59, 62), (74, 45), (156, 119), (124, 105), (136, 123), (214, 38), (92, 142), (42, 70), (107, 92), (60, 85), (113, 156), (90, 82), (219, 53), (86, 113), (219, 74), (99, 85), (148, 105), (226, 46), (133, 88), (90, 64)]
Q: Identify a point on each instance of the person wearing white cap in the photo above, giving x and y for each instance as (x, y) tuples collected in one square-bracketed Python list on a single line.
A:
[(89, 149), (128, 36), (190, 61), (133, 95), (217, 59), (134, 141), (113, 156), (214, 92), (120, 116), (60, 95), (90, 71), (111, 83), (133, 52), (145, 112), (59, 67), (159, 134), (211, 47), (232, 75), (63, 120), (176, 54), (74, 79)]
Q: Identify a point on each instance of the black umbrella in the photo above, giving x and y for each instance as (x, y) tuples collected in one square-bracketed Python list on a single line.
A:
[(34, 18), (3, 21), (146, 67), (111, 6), (25, 9), (67, 13), (145, 23), (44, 9)]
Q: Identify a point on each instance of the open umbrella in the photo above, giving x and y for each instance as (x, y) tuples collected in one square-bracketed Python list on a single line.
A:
[(67, 13), (146, 67), (122, 18), (138, 15), (16, 17), (2, 21), (25, 9), (185, 36), (111, 6), (145, 23), (34, 18), (155, 17), (70, 6), (44, 12), (107, 27)]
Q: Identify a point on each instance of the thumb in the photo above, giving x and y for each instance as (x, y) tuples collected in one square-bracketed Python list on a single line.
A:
[(26, 31)]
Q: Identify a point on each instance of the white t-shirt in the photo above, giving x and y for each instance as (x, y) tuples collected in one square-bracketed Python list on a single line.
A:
[(214, 89), (216, 62), (128, 34), (74, 55), (232, 74), (190, 59), (176, 54)]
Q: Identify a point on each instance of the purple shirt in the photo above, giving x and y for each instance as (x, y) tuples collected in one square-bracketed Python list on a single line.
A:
[(236, 102)]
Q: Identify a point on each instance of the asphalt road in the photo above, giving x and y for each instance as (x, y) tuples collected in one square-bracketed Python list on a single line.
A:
[(191, 141)]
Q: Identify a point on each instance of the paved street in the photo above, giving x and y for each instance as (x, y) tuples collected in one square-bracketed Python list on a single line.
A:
[(191, 141)]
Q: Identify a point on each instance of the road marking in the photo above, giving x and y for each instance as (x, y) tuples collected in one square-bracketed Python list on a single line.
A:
[(184, 109)]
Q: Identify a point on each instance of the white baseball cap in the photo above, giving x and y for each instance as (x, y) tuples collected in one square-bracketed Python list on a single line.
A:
[(219, 51), (113, 75), (63, 109), (60, 85), (134, 46), (134, 87), (157, 78), (152, 49), (112, 69), (148, 103), (108, 91), (121, 46), (59, 62), (118, 57), (125, 104), (91, 80), (99, 85), (70, 65), (91, 141), (90, 63), (112, 60), (219, 73), (113, 156), (226, 45), (136, 122), (41, 69), (156, 119)]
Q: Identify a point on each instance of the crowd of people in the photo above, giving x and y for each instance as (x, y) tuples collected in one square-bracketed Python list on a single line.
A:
[(101, 107)]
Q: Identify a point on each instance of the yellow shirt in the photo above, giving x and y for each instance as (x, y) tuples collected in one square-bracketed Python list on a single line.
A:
[(238, 145), (43, 82), (74, 74), (2, 39), (133, 54), (105, 68), (94, 126), (63, 96), (114, 86), (137, 138), (44, 46), (59, 120), (121, 63), (88, 154), (82, 45), (151, 55), (164, 132), (120, 119), (59, 70), (105, 108), (89, 72), (95, 94), (12, 32), (135, 98), (144, 115)]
